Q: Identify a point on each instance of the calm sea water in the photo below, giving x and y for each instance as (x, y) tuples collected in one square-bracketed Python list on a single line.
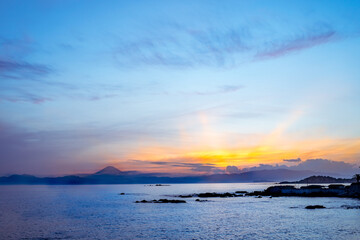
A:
[(99, 212)]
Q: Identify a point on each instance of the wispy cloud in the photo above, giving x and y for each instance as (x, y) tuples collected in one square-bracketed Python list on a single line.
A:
[(303, 40), (24, 81), (21, 69), (15, 70), (25, 98), (13, 63), (181, 46), (220, 90)]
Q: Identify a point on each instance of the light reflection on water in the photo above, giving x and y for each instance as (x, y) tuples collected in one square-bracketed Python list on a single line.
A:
[(99, 212)]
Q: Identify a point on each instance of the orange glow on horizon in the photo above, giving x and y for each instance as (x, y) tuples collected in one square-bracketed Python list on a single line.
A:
[(210, 147), (345, 150)]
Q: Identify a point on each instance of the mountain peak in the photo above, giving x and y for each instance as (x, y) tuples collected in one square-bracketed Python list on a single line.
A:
[(109, 170)]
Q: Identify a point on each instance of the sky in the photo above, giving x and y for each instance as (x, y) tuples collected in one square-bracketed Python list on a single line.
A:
[(180, 87)]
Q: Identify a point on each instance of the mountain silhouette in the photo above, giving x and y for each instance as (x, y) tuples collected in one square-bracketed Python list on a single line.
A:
[(109, 170)]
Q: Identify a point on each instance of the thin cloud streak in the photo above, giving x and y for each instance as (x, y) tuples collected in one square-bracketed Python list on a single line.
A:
[(220, 90), (13, 63), (292, 160), (302, 42), (185, 47), (25, 98), (17, 70)]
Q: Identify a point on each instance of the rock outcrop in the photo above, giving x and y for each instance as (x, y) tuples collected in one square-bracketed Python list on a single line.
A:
[(333, 190), (162, 201)]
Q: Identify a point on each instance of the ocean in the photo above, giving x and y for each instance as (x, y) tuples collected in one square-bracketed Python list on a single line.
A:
[(100, 212)]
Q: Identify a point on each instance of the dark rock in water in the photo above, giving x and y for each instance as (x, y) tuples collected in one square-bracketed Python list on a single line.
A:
[(314, 207), (223, 195), (255, 193), (198, 200), (333, 190), (122, 193), (157, 185), (259, 197), (312, 187), (162, 201), (185, 196), (241, 192), (211, 195), (336, 186)]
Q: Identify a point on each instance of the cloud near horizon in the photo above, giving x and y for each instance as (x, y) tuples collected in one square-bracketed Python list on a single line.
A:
[(176, 167), (316, 165), (232, 170), (292, 160), (173, 164)]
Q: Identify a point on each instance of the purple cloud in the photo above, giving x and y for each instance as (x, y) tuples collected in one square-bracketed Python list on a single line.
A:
[(25, 82), (304, 41), (25, 98), (318, 166), (292, 160), (186, 47), (13, 64), (232, 170), (16, 69)]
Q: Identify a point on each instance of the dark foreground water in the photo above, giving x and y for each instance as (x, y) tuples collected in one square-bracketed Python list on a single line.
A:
[(99, 212)]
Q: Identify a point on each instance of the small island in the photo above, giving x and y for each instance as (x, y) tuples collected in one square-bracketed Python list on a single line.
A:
[(333, 190), (321, 179)]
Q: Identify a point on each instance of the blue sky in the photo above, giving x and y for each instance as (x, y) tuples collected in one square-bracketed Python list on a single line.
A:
[(84, 84)]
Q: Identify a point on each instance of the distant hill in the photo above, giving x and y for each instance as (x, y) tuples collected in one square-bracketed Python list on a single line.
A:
[(112, 175), (322, 179), (110, 170)]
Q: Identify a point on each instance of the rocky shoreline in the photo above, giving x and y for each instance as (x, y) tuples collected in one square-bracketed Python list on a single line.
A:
[(333, 190)]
